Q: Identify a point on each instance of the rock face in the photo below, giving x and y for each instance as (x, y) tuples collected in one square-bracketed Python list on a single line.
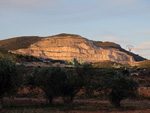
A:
[(68, 47)]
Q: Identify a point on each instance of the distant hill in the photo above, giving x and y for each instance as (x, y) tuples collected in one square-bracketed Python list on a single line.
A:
[(67, 46), (26, 41), (18, 42)]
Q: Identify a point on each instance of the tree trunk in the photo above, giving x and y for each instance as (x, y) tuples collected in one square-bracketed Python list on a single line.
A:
[(1, 104), (50, 100), (71, 99), (71, 102), (117, 103), (68, 100)]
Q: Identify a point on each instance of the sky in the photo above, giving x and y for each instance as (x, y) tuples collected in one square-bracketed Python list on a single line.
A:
[(125, 22)]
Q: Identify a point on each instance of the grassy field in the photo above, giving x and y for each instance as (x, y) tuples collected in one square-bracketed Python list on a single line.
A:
[(27, 105)]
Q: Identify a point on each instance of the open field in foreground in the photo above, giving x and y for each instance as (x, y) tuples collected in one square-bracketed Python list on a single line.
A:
[(27, 105)]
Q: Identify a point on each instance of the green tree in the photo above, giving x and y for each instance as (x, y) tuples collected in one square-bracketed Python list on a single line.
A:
[(50, 80), (119, 87), (71, 87), (75, 80), (62, 82), (10, 79), (85, 75)]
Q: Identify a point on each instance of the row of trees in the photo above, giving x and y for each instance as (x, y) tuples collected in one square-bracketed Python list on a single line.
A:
[(66, 83), (56, 82)]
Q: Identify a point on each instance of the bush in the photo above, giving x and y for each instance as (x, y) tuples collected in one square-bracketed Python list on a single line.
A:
[(144, 64), (56, 81)]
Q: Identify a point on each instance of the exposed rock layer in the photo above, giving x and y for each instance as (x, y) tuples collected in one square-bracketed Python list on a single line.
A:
[(68, 47)]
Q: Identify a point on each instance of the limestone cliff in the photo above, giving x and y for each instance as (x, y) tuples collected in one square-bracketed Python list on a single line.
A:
[(73, 46)]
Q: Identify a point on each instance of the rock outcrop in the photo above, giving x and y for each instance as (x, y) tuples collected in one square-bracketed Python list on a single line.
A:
[(73, 46)]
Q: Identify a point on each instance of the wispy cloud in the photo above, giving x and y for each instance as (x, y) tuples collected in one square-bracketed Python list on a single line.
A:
[(115, 39), (144, 46), (143, 32), (114, 3), (119, 2), (143, 49), (25, 3)]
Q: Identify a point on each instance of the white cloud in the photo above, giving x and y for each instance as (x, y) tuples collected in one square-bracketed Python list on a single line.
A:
[(115, 39)]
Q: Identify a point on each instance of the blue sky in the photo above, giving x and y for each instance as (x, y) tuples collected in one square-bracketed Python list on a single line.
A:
[(126, 22)]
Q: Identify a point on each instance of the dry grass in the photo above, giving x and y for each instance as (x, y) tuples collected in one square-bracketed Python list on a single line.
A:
[(27, 105), (144, 64)]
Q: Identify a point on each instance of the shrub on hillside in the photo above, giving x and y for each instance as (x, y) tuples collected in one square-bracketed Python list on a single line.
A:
[(144, 64)]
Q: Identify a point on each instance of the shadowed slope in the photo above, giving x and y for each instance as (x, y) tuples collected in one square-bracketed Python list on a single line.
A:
[(18, 42)]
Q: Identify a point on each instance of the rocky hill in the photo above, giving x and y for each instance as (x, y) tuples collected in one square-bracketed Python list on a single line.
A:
[(68, 46), (18, 43)]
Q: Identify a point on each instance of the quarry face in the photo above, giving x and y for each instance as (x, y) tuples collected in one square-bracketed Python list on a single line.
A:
[(68, 47)]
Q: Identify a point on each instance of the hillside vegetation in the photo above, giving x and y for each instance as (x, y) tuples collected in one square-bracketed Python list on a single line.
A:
[(144, 64), (63, 35), (107, 64), (18, 42), (107, 44), (18, 57)]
